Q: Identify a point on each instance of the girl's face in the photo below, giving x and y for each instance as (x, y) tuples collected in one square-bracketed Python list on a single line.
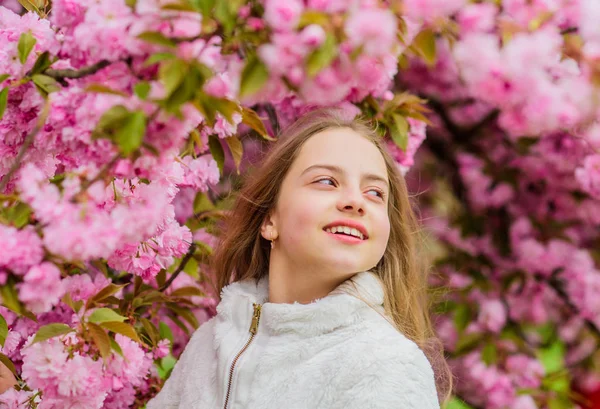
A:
[(339, 179)]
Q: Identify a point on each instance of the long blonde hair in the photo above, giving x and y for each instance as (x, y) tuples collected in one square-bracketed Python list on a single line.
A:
[(243, 253)]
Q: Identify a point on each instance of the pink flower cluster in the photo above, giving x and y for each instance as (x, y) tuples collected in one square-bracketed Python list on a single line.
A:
[(76, 380)]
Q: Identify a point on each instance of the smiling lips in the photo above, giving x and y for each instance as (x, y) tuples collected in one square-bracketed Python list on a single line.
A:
[(347, 229)]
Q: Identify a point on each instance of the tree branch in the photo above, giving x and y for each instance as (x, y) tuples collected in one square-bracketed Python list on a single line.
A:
[(85, 185), (83, 72), (26, 142), (273, 118), (184, 261), (557, 286)]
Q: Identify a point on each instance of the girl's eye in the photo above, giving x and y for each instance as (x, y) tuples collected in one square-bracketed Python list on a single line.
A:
[(378, 192), (332, 182)]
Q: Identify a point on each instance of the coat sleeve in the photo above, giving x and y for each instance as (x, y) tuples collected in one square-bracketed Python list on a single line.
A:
[(171, 392), (397, 382)]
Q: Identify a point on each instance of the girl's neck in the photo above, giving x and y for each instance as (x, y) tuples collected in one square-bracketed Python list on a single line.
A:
[(302, 284)]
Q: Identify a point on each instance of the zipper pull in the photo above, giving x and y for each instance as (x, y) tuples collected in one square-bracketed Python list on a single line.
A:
[(255, 318)]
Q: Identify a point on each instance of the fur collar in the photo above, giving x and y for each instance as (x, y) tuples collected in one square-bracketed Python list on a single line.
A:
[(342, 307)]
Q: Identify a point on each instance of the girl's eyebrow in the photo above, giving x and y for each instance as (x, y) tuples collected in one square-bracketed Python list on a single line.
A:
[(337, 169)]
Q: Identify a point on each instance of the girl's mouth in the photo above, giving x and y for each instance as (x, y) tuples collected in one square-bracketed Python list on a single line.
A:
[(344, 238)]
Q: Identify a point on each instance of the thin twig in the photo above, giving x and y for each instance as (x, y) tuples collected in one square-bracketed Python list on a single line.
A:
[(26, 142), (83, 72), (180, 268), (85, 185), (273, 118), (560, 291)]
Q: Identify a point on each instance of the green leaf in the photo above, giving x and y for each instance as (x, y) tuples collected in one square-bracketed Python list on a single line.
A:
[(314, 17), (101, 339), (130, 136), (104, 315), (560, 402), (29, 6), (3, 330), (151, 330), (466, 342), (424, 43), (168, 362), (9, 297), (226, 15), (322, 57), (455, 403), (8, 363), (399, 131), (106, 292), (103, 89), (46, 83), (187, 292), (116, 347), (112, 120), (75, 305), (18, 214), (164, 366), (3, 77), (142, 89), (184, 313), (25, 46), (3, 100), (254, 76), (237, 150), (205, 6), (217, 152), (122, 328), (165, 332), (183, 6), (191, 268), (251, 118), (552, 357), (185, 92), (179, 323), (41, 64), (154, 37), (202, 203), (158, 57), (50, 331), (489, 354), (225, 107), (558, 381), (172, 74)]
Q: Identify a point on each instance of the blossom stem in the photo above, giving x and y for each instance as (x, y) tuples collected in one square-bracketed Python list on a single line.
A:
[(184, 261), (26, 143)]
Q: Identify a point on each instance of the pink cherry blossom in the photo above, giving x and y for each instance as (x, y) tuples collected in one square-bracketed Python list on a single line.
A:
[(283, 15), (42, 288), (374, 30)]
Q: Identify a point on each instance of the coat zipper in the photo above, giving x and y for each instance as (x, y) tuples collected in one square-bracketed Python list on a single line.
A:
[(253, 329)]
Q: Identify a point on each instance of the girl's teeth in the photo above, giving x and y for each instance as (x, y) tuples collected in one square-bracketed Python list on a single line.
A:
[(346, 230)]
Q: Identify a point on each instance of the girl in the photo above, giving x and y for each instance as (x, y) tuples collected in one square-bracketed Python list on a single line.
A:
[(322, 291)]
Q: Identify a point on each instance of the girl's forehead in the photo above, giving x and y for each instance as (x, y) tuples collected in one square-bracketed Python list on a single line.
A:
[(341, 147)]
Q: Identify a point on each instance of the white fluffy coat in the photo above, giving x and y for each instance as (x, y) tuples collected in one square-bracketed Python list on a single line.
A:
[(334, 353)]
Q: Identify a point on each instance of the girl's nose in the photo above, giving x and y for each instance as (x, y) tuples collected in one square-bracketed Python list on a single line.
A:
[(352, 202)]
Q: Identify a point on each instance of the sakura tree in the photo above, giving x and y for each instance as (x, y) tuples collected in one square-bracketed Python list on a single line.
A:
[(124, 126)]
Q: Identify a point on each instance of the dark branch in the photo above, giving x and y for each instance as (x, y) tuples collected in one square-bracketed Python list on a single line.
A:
[(180, 268), (26, 143), (100, 175), (273, 118), (462, 135), (83, 72), (556, 285)]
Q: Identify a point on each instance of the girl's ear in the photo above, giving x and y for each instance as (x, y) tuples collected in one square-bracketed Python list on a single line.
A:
[(268, 229)]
